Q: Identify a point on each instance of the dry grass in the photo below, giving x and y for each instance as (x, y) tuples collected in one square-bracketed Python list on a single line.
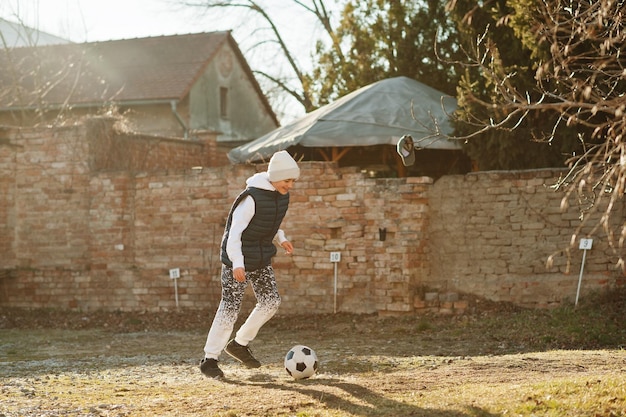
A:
[(498, 361)]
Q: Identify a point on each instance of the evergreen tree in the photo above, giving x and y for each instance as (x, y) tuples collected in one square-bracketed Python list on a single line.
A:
[(380, 39), (497, 34)]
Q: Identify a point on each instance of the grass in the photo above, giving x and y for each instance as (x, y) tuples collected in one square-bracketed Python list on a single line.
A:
[(583, 397), (499, 361)]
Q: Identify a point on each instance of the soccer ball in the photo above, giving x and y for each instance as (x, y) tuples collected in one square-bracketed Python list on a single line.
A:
[(301, 362)]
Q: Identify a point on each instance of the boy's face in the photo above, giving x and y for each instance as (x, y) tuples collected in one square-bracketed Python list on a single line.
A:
[(283, 186)]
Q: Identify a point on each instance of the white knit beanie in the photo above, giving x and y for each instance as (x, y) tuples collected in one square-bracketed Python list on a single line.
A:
[(282, 167)]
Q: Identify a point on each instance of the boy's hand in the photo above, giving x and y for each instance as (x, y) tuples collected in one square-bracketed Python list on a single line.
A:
[(239, 274), (287, 246)]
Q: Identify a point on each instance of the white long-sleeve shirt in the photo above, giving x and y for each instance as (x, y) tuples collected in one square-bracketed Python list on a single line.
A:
[(242, 215)]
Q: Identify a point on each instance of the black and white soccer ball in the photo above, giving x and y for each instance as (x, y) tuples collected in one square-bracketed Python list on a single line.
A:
[(301, 362)]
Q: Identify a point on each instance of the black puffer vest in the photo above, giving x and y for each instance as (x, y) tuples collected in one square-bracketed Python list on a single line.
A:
[(256, 240)]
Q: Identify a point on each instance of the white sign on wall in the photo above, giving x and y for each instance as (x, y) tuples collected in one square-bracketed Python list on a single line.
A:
[(175, 273)]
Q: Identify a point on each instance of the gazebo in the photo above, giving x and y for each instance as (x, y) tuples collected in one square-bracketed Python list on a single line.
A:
[(377, 114)]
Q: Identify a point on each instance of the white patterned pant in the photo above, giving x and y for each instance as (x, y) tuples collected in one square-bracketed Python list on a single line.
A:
[(265, 290)]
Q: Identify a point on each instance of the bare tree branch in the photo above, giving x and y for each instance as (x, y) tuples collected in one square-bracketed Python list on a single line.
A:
[(316, 8), (582, 81)]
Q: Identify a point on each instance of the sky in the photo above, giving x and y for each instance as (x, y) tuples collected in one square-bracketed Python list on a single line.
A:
[(102, 20), (99, 20)]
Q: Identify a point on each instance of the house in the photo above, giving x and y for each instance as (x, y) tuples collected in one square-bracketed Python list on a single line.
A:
[(189, 86)]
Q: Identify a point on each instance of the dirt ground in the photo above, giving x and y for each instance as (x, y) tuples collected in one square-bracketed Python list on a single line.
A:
[(497, 361)]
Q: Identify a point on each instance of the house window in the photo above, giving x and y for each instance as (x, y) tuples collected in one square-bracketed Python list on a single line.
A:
[(224, 102)]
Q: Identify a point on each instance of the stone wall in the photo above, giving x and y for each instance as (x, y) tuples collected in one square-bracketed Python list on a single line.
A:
[(91, 218)]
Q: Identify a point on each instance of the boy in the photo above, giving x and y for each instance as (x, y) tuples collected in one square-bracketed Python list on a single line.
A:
[(247, 250)]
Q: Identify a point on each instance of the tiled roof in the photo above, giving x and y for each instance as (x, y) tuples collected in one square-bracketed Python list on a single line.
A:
[(130, 70)]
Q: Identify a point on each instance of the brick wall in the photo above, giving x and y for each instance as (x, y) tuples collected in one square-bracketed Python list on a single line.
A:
[(94, 219), (503, 235), (7, 196)]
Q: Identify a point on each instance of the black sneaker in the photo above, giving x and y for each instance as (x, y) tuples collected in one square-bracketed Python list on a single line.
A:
[(210, 369), (242, 354)]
